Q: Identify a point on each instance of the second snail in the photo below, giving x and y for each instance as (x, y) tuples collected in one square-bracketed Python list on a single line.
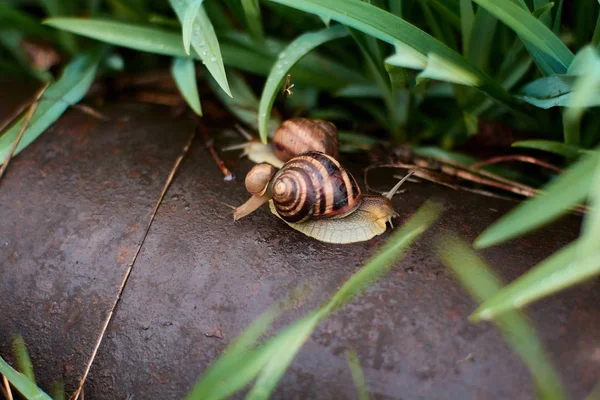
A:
[(311, 191)]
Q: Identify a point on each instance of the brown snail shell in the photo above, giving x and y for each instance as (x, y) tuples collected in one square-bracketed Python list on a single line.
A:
[(298, 135), (314, 185)]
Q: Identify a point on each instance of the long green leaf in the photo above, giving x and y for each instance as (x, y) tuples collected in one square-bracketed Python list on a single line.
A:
[(467, 18), (413, 45), (357, 375), (58, 8), (311, 70), (238, 357), (69, 89), (203, 38), (22, 383), (558, 197), (477, 278), (586, 87), (184, 75), (252, 11), (294, 52), (187, 24), (556, 273), (530, 29), (550, 146), (480, 41), (22, 358)]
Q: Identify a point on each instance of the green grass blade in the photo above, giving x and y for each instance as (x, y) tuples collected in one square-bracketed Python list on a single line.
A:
[(357, 375), (546, 19), (551, 146), (478, 279), (143, 38), (239, 358), (589, 243), (586, 87), (311, 70), (22, 383), (596, 36), (290, 56), (58, 8), (69, 89), (184, 75), (187, 23), (244, 104), (467, 18), (558, 18), (203, 39), (552, 91), (58, 391), (22, 358), (558, 197), (560, 271), (252, 11), (480, 41), (289, 343), (413, 44), (530, 29)]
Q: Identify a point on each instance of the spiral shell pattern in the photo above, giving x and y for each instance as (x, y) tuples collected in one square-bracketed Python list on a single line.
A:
[(314, 185)]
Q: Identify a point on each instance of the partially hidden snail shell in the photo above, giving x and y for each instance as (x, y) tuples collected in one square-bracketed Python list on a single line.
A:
[(314, 186), (298, 135)]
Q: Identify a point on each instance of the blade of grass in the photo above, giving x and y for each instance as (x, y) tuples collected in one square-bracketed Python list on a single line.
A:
[(58, 8), (184, 75), (558, 18), (480, 41), (587, 86), (316, 71), (530, 29), (22, 383), (557, 198), (589, 245), (560, 148), (187, 23), (467, 18), (290, 56), (203, 39), (357, 375), (414, 44), (238, 357), (253, 19), (558, 272), (69, 89), (22, 357), (477, 278)]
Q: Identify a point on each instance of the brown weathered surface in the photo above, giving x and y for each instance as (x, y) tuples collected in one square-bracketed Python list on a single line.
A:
[(74, 207)]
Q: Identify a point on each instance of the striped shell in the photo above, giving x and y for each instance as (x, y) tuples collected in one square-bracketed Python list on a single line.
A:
[(313, 185), (299, 135)]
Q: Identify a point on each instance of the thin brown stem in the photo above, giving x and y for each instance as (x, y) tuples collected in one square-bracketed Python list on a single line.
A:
[(79, 392), (7, 390), (210, 145), (516, 157), (32, 108)]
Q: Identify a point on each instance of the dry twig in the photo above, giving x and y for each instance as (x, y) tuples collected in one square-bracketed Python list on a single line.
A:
[(32, 108), (79, 391), (516, 157), (210, 145), (7, 390)]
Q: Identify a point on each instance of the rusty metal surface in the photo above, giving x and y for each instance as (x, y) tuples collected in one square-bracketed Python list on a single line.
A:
[(73, 206)]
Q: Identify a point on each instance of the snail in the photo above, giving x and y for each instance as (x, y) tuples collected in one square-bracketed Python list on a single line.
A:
[(293, 137), (315, 195)]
